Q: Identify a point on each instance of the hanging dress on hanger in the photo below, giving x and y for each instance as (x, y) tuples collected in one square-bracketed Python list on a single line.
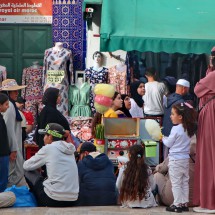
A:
[(79, 98), (33, 93), (58, 62), (118, 77)]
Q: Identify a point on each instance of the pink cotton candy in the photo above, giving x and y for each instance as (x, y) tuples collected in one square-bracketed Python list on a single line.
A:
[(103, 100)]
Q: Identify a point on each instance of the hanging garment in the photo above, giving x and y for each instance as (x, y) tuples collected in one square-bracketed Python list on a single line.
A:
[(94, 78), (57, 62), (79, 98), (3, 74), (33, 93), (81, 127), (118, 78)]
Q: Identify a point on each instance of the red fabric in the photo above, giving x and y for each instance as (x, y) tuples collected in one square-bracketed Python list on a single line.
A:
[(29, 117), (204, 181)]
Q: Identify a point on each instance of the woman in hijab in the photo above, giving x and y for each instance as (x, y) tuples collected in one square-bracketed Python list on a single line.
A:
[(137, 92), (204, 183), (126, 106), (50, 114)]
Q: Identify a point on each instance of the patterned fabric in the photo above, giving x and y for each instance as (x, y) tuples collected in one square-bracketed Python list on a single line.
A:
[(59, 60), (3, 74), (69, 27), (81, 127), (94, 78), (118, 79), (33, 93), (80, 100)]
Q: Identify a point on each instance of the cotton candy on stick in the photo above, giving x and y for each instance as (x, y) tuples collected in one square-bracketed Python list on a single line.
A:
[(153, 128)]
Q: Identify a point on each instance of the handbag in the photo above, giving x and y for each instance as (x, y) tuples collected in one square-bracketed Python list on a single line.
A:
[(199, 110), (24, 198)]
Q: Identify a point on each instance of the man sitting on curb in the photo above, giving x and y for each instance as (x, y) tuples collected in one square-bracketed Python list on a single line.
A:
[(61, 187), (96, 177)]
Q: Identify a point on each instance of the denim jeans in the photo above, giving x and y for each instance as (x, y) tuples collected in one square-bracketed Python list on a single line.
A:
[(4, 170)]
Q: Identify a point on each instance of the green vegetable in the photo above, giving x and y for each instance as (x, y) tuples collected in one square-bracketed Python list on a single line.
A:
[(100, 132)]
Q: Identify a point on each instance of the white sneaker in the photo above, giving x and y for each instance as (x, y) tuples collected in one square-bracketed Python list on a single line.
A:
[(203, 210)]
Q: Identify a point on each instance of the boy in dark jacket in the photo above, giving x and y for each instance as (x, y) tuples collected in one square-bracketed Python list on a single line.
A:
[(96, 178)]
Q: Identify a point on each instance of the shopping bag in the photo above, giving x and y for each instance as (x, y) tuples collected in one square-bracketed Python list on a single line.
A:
[(24, 198)]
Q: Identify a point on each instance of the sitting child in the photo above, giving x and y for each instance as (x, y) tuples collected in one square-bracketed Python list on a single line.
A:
[(135, 181)]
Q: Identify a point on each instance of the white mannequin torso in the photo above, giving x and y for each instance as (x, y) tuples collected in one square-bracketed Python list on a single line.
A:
[(35, 65), (58, 46), (97, 67), (80, 82)]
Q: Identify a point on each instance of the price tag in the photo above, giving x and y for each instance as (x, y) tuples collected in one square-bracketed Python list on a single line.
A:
[(55, 76)]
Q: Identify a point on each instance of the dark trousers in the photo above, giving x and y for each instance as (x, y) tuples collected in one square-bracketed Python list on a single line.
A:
[(35, 182), (4, 171)]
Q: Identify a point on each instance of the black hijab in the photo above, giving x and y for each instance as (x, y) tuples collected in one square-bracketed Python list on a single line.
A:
[(123, 108), (50, 96), (134, 95)]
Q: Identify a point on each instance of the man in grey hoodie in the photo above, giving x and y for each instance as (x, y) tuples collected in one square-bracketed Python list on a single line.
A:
[(61, 187)]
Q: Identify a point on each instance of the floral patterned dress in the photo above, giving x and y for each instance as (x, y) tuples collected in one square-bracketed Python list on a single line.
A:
[(3, 74), (118, 78), (56, 61), (32, 77), (94, 78)]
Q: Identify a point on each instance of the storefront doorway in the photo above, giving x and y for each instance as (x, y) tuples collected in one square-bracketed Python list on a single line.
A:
[(20, 45)]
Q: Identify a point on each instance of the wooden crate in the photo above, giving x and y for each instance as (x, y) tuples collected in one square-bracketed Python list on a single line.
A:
[(121, 127)]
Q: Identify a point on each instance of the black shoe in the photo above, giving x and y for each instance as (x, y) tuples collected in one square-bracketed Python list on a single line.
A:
[(184, 208), (174, 208)]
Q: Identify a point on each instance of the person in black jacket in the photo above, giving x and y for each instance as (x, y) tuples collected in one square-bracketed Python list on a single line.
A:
[(4, 144), (50, 114), (96, 177)]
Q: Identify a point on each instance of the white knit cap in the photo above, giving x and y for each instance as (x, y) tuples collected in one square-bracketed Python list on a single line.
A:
[(183, 83)]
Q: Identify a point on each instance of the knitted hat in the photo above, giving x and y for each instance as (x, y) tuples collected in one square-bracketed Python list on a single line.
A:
[(183, 83)]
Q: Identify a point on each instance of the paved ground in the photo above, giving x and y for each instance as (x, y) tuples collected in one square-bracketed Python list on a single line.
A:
[(105, 210)]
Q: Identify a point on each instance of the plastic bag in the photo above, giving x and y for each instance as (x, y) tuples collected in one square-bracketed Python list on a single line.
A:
[(24, 198)]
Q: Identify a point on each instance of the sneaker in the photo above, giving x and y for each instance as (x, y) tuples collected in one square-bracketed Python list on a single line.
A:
[(174, 208), (203, 210)]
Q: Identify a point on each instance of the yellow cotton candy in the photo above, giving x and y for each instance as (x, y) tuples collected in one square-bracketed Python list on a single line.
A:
[(100, 108), (105, 90)]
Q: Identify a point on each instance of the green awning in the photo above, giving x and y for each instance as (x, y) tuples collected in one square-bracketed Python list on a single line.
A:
[(90, 2), (184, 26)]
